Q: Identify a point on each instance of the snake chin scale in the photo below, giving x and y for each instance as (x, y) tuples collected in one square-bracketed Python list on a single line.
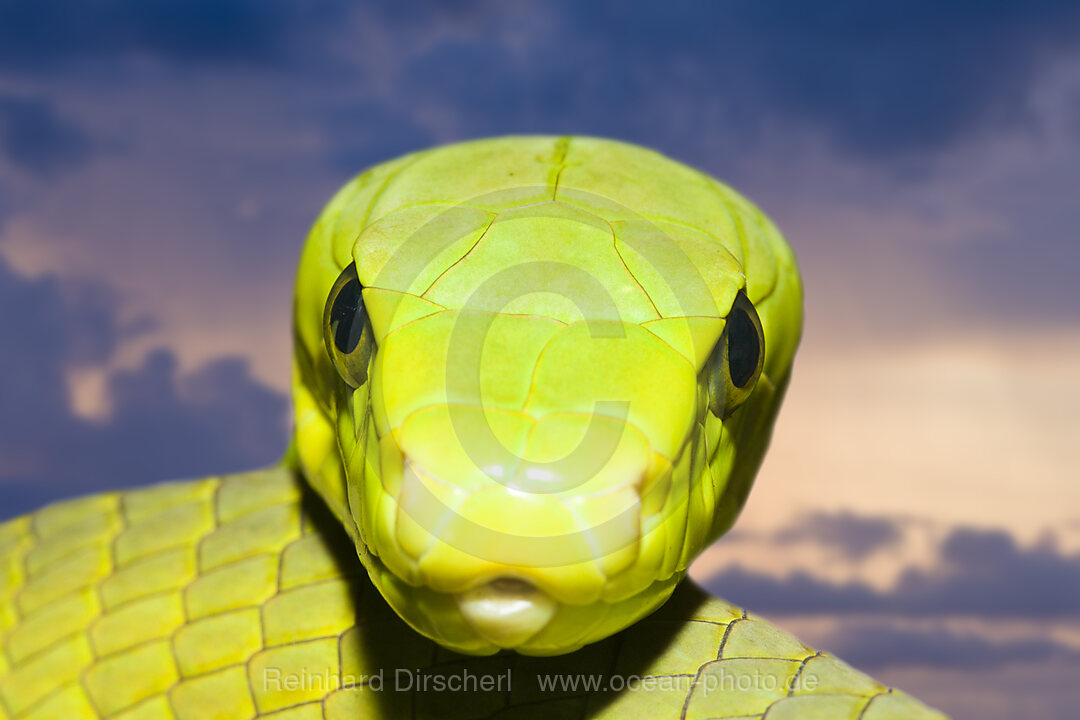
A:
[(507, 611)]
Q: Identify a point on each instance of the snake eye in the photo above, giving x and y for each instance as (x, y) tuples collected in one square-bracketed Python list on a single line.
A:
[(736, 361), (347, 330)]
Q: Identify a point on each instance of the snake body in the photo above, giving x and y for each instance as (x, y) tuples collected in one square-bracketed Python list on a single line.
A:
[(533, 378)]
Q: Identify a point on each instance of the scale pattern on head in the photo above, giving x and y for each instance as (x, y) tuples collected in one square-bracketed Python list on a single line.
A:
[(534, 377)]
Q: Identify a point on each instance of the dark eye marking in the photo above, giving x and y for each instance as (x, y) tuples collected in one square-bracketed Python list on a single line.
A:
[(737, 359), (744, 347), (347, 330), (348, 317)]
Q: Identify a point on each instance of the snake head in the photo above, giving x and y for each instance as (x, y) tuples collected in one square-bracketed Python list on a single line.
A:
[(534, 378)]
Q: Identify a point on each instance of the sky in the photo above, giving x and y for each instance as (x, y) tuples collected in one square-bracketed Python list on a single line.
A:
[(919, 512)]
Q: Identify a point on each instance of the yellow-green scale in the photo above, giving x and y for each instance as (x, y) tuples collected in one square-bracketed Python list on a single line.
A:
[(242, 597)]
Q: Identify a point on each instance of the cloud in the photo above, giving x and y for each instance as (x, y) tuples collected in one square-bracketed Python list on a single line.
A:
[(37, 35), (367, 132), (215, 419), (35, 138), (877, 645), (50, 327), (854, 536), (987, 573), (983, 603), (163, 424), (879, 79), (979, 573), (1035, 235), (797, 593)]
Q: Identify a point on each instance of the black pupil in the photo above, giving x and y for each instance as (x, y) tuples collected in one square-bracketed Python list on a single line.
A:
[(743, 347), (347, 318)]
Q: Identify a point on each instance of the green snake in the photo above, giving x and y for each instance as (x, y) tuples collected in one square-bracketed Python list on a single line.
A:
[(533, 378)]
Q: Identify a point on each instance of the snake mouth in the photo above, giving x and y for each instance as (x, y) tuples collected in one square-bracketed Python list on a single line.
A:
[(481, 566), (486, 556), (506, 611)]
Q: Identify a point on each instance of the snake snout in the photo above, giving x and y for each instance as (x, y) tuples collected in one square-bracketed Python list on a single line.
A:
[(507, 610)]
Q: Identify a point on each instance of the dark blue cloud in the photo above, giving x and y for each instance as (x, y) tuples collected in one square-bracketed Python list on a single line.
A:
[(38, 35), (35, 138), (880, 79), (979, 574), (878, 645), (987, 573), (799, 593), (366, 133), (853, 536), (49, 327), (163, 424)]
